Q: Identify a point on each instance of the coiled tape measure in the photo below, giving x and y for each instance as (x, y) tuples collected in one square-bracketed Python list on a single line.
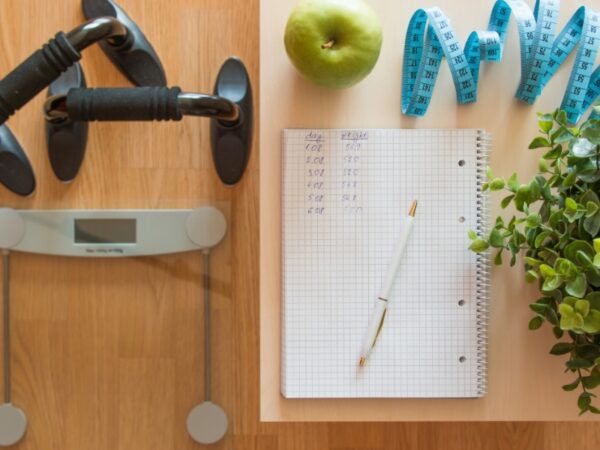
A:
[(430, 37)]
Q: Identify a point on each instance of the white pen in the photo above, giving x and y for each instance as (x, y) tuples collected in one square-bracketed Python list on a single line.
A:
[(378, 316)]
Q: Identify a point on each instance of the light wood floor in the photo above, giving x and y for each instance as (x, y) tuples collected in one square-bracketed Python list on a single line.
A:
[(107, 354)]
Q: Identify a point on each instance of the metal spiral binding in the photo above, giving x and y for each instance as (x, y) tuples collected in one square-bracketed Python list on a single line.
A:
[(483, 262)]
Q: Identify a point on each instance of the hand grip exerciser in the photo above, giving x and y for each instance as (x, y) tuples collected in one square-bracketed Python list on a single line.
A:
[(123, 42), (47, 64), (136, 58), (66, 141), (230, 110), (138, 104)]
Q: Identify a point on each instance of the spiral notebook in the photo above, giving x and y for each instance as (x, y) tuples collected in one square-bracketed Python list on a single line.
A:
[(346, 194)]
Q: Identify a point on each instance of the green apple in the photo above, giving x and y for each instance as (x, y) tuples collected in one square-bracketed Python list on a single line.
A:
[(333, 43)]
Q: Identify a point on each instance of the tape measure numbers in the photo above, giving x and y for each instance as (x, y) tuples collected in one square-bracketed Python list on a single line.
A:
[(430, 38)]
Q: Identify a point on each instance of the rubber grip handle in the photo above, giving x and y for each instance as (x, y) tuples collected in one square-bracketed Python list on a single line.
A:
[(130, 104), (35, 74)]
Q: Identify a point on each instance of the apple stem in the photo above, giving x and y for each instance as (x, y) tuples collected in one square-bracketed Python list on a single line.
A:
[(328, 44)]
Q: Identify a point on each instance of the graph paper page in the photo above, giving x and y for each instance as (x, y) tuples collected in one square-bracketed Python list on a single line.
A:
[(346, 195)]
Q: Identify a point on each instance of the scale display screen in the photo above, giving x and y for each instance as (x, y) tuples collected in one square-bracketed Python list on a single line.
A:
[(105, 231)]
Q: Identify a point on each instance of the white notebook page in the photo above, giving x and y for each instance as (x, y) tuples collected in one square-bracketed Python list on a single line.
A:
[(346, 194)]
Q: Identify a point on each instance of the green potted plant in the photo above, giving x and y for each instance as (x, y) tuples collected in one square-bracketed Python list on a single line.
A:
[(557, 230)]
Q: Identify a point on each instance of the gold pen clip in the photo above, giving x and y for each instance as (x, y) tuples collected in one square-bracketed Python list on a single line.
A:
[(380, 327)]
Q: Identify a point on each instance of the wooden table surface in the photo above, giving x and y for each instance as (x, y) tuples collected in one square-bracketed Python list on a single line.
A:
[(108, 354), (524, 381)]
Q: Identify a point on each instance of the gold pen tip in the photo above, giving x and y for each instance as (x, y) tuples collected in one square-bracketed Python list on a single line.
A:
[(362, 361), (413, 209)]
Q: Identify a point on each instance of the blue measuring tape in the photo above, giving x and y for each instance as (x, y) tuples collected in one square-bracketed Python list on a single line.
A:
[(430, 38)]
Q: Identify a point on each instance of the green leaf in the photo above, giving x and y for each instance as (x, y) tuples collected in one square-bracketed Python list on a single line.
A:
[(479, 245), (547, 271), (593, 410), (570, 204), (545, 127), (534, 220), (552, 317), (592, 134), (539, 308), (562, 348), (543, 165), (553, 154), (592, 224), (496, 184), (489, 173), (591, 209), (531, 276), (496, 239), (561, 117), (584, 402), (570, 178), (539, 142), (546, 122), (579, 363), (590, 382), (506, 201), (591, 324), (589, 173), (571, 321), (498, 258), (513, 255), (532, 261), (571, 215), (535, 323), (513, 183), (587, 351), (583, 259), (565, 309), (594, 278), (472, 235), (555, 218), (578, 286), (552, 283), (571, 386), (561, 135), (565, 268), (594, 299), (558, 333), (597, 245), (534, 191), (540, 238), (579, 245), (582, 307)]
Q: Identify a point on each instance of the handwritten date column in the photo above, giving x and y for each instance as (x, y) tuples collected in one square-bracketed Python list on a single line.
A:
[(315, 173)]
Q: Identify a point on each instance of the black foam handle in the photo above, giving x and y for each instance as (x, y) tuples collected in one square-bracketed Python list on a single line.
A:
[(35, 74), (138, 103)]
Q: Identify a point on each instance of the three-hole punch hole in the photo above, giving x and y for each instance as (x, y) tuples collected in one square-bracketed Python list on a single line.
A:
[(461, 219)]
